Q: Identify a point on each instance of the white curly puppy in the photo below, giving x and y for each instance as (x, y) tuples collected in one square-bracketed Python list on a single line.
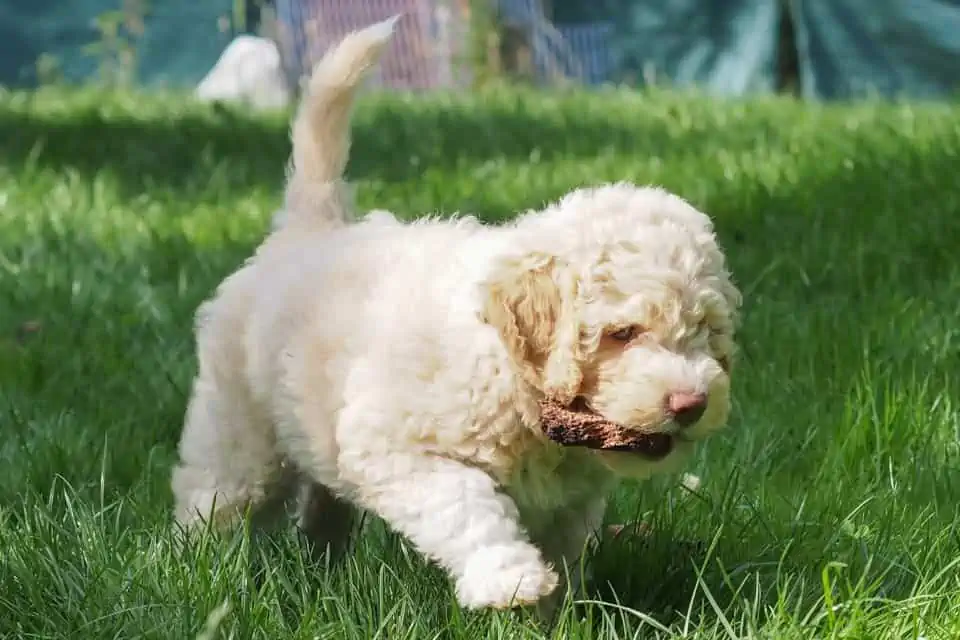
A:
[(398, 367)]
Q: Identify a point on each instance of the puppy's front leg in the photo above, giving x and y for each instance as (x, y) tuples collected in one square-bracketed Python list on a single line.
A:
[(455, 515), (565, 536)]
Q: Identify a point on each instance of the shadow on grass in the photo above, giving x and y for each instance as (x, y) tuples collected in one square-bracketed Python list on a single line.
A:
[(757, 574), (393, 141), (178, 153), (657, 575), (110, 362)]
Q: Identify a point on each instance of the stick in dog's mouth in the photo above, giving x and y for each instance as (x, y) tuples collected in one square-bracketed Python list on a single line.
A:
[(576, 425)]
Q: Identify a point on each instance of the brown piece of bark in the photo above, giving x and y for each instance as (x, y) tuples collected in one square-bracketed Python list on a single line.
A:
[(574, 428)]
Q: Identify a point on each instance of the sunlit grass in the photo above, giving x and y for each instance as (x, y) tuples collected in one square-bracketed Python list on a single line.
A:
[(829, 508)]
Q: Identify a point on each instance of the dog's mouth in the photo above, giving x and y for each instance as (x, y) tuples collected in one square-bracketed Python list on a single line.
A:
[(577, 424)]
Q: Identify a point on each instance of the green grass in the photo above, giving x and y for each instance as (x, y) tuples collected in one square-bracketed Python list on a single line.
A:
[(829, 508)]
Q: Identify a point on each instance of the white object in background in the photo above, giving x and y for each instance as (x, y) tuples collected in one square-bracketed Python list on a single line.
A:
[(690, 482), (250, 71)]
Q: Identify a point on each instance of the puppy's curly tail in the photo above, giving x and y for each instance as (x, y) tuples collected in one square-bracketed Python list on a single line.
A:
[(316, 196)]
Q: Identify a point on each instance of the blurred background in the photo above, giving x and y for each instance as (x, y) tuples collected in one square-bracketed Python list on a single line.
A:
[(817, 49)]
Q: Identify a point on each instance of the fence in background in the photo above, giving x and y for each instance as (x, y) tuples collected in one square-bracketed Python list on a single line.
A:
[(430, 47), (590, 46), (426, 52)]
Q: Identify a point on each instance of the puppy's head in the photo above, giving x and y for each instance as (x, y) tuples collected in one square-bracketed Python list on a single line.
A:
[(617, 301)]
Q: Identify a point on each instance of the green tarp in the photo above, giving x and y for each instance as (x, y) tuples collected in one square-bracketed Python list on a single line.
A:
[(851, 48), (726, 46), (844, 48), (181, 39)]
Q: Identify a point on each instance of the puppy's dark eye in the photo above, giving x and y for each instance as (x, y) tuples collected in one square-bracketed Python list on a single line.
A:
[(626, 334)]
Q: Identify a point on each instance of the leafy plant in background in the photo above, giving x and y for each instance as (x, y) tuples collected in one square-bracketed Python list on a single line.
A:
[(48, 70), (499, 52), (116, 49), (483, 55)]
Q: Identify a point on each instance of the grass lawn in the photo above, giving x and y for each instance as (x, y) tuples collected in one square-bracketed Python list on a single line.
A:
[(829, 507)]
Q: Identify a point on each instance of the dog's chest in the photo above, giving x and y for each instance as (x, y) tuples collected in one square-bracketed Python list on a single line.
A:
[(554, 478)]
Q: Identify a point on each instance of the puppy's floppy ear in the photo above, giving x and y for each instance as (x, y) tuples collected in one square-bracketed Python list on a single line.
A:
[(532, 301)]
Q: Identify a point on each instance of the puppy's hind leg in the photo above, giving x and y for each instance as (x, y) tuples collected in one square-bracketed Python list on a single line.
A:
[(228, 455), (325, 520)]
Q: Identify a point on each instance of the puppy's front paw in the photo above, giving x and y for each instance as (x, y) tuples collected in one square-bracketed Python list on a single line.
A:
[(505, 576)]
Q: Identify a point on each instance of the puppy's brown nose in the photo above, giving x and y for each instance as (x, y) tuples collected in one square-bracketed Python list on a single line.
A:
[(686, 408)]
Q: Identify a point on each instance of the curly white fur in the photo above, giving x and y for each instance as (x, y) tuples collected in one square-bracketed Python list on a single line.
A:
[(398, 367)]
